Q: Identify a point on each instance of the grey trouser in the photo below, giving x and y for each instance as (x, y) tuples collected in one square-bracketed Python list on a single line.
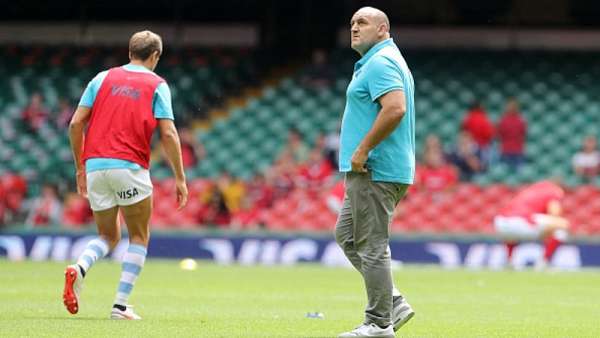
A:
[(362, 231)]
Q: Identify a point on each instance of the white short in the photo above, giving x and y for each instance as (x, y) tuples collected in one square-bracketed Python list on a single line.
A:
[(111, 187), (519, 227)]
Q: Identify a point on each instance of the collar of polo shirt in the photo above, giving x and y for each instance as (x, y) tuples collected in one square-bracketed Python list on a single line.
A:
[(377, 47)]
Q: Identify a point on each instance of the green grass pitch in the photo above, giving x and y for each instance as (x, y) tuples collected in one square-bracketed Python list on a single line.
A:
[(237, 301)]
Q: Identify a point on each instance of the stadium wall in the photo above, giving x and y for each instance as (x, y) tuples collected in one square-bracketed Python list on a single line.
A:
[(248, 35), (114, 33), (490, 38), (290, 249)]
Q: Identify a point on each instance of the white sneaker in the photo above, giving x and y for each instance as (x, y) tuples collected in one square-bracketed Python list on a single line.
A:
[(370, 330), (127, 314), (402, 312), (73, 286), (541, 265)]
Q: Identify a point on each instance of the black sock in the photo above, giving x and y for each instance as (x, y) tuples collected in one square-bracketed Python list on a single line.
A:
[(81, 270), (120, 307)]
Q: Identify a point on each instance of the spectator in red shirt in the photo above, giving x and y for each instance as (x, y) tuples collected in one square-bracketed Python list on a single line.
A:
[(46, 209), (260, 192), (479, 126), (259, 196), (35, 115), (435, 175), (282, 174), (316, 171), (15, 188), (76, 211), (512, 131)]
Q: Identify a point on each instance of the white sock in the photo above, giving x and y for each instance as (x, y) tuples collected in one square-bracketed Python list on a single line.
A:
[(561, 234), (95, 249), (133, 262)]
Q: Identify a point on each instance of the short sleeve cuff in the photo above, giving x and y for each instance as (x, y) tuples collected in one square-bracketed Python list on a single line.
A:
[(385, 91)]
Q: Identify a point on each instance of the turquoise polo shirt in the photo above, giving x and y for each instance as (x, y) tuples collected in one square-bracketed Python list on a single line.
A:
[(381, 70), (161, 106)]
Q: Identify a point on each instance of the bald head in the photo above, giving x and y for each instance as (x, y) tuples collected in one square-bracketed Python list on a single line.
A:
[(368, 27), (378, 16)]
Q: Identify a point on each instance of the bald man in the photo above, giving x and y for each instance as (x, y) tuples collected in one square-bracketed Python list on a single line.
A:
[(377, 156)]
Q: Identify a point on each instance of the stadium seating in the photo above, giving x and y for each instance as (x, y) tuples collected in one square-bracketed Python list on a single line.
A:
[(556, 96), (199, 79), (468, 208), (556, 92)]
